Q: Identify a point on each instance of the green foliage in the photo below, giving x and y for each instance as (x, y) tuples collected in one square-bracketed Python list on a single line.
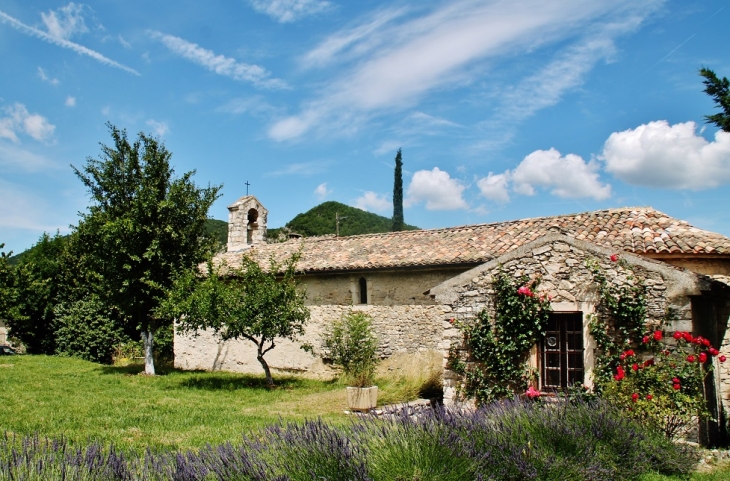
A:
[(39, 282), (87, 329), (144, 225), (719, 90), (619, 320), (243, 303), (398, 194), (499, 349), (8, 287), (663, 389), (352, 345), (320, 220), (660, 385)]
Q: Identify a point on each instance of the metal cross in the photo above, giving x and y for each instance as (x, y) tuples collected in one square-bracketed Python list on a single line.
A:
[(247, 184)]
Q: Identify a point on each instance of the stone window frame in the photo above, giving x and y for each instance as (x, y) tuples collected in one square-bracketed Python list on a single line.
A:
[(356, 292), (589, 344)]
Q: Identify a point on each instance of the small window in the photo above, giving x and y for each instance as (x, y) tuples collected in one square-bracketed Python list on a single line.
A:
[(561, 351), (363, 291)]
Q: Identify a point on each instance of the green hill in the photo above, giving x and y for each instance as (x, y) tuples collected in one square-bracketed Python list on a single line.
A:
[(320, 220)]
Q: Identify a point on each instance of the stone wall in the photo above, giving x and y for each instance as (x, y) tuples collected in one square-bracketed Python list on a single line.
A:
[(560, 263), (385, 288), (402, 328)]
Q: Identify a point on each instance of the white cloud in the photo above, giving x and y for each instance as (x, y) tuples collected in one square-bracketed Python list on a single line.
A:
[(46, 78), (62, 42), (567, 177), (18, 120), (14, 157), (65, 22), (322, 191), (389, 146), (670, 156), (286, 11), (219, 64), (123, 42), (159, 128), (437, 189), (255, 106), (70, 101), (495, 187), (300, 168), (372, 201), (19, 209), (360, 36), (398, 63)]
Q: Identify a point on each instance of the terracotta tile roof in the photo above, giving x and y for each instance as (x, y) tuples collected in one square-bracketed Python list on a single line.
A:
[(641, 230)]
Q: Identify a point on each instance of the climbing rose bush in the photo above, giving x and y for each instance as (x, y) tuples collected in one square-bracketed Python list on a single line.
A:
[(662, 385)]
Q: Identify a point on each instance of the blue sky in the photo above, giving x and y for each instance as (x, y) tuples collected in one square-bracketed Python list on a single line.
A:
[(503, 109)]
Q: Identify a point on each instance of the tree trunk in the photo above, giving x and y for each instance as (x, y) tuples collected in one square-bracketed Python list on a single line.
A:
[(267, 371), (149, 361)]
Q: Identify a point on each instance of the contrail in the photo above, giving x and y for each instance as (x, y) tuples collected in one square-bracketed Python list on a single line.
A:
[(670, 53), (80, 49)]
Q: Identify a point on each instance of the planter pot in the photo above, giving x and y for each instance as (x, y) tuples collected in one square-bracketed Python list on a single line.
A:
[(362, 398)]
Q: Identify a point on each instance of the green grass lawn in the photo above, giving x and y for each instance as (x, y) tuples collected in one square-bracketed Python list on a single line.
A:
[(56, 396)]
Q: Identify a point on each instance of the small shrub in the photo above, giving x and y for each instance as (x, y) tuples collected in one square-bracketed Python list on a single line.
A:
[(664, 387), (351, 345)]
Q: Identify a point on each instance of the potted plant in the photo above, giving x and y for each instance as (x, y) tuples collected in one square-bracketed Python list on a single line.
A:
[(351, 345)]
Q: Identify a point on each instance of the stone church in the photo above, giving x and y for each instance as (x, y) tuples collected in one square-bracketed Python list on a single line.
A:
[(413, 283)]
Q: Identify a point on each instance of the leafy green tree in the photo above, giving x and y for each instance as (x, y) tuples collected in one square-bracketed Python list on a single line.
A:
[(8, 289), (719, 90), (244, 303), (398, 194), (38, 277), (144, 225)]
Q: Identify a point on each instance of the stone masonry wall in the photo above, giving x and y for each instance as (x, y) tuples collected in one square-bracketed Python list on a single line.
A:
[(403, 328), (385, 288), (565, 277)]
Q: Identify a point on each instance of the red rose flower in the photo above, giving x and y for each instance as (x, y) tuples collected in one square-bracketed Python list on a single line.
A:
[(722, 358), (634, 397), (690, 358), (630, 352), (620, 374), (675, 380), (634, 367), (622, 357), (614, 257), (645, 339), (688, 337), (452, 320), (714, 351), (703, 357), (677, 387), (649, 397), (678, 335), (658, 335), (705, 342), (649, 362)]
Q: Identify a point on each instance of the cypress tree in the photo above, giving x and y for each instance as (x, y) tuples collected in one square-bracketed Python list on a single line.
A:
[(398, 194), (719, 90)]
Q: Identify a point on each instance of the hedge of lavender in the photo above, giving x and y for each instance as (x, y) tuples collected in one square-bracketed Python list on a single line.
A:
[(510, 440)]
